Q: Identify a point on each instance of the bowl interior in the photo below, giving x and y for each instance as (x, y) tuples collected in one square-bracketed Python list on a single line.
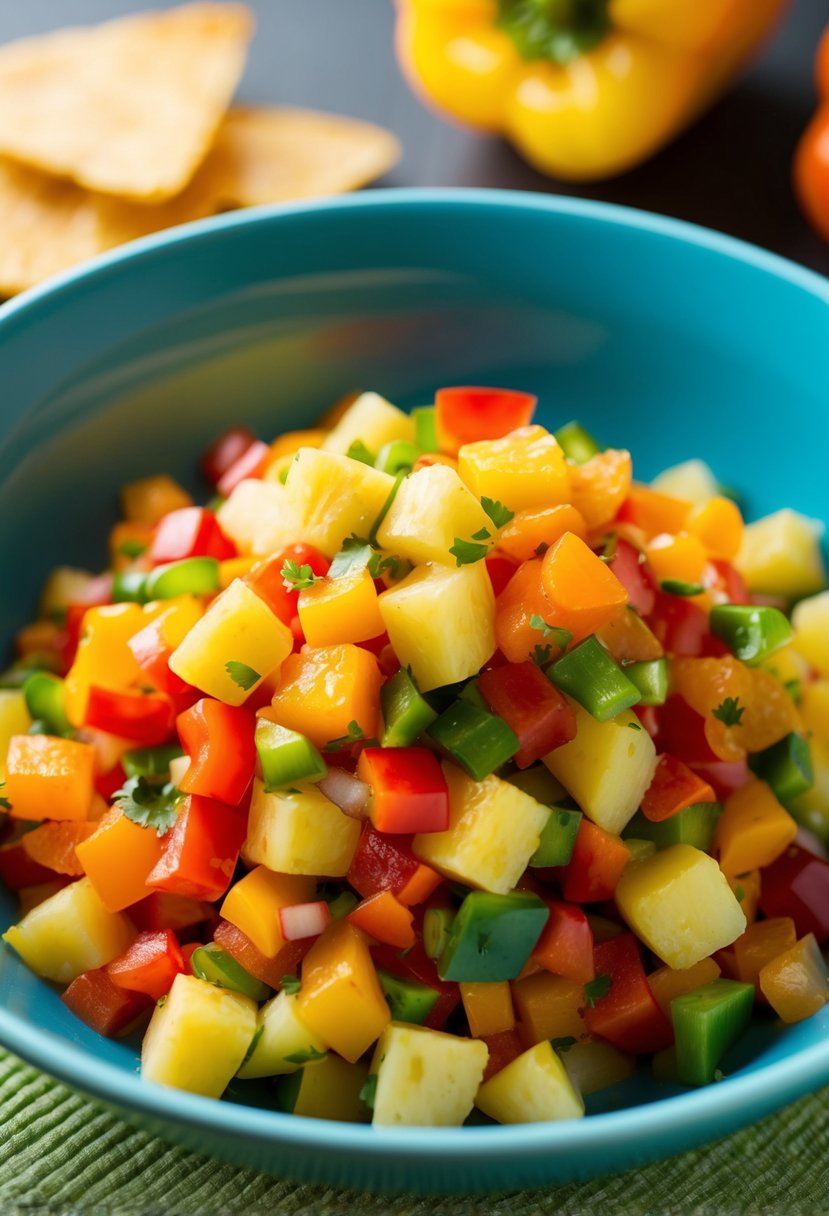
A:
[(659, 339)]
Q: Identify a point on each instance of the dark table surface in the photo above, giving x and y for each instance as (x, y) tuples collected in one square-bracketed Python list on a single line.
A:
[(731, 171)]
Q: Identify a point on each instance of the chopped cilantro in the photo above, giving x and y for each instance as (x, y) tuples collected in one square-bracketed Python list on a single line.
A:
[(358, 554), (740, 893), (297, 578), (254, 1043), (290, 984), (481, 534), (306, 1056), (542, 654), (634, 726), (369, 1090), (161, 1002), (356, 734), (561, 637), (678, 586), (497, 512), (730, 712), (242, 675), (149, 803), (467, 552), (563, 1044), (596, 989)]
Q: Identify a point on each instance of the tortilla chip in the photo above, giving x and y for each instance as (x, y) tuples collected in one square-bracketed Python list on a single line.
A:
[(129, 107)]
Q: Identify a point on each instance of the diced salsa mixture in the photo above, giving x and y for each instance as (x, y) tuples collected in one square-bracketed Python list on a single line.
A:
[(435, 764)]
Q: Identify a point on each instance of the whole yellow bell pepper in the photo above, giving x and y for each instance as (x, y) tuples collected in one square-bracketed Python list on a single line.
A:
[(584, 88)]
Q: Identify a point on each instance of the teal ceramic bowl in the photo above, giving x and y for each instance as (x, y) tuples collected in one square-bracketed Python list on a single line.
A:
[(660, 337)]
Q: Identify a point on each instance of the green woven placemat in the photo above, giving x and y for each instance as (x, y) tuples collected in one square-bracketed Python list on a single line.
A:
[(59, 1154)]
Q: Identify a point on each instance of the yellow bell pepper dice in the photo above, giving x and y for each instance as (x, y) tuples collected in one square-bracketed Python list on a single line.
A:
[(330, 1089), (667, 982), (432, 510), (780, 555), (15, 719), (69, 933), (49, 778), (198, 1037), (681, 556), (488, 1008), (680, 905), (441, 622), (494, 829), (594, 1064), (148, 501), (425, 1078), (330, 496), (524, 469), (548, 1007), (796, 983), (578, 100), (814, 709), (534, 1088), (253, 903), (340, 610), (810, 619), (322, 690), (341, 1000), (299, 832), (753, 830), (233, 647), (372, 420), (103, 656), (719, 525)]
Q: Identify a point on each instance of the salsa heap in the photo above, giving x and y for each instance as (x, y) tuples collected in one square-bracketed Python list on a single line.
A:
[(436, 763)]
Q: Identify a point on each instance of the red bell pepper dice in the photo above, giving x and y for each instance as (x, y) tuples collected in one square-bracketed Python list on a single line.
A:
[(266, 579), (150, 964), (219, 739), (731, 582), (627, 1015), (162, 911), (504, 1047), (152, 652), (224, 451), (500, 570), (408, 789), (682, 732), (724, 776), (683, 628), (190, 532), (250, 464), (268, 970), (469, 414), (415, 964), (797, 885), (532, 706), (673, 788), (200, 850), (635, 576), (382, 863), (146, 718), (594, 869), (566, 943), (108, 1009), (19, 870)]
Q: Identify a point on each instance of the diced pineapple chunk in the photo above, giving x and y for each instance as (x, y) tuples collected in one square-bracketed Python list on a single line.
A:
[(524, 469), (332, 496), (441, 622), (753, 830), (280, 1034), (299, 833), (425, 1078), (372, 419), (69, 933), (594, 1064), (15, 719), (814, 709), (811, 631), (257, 518), (329, 1089), (197, 1037), (494, 829), (606, 768), (234, 647), (692, 481), (680, 905), (431, 510), (534, 1088), (780, 555)]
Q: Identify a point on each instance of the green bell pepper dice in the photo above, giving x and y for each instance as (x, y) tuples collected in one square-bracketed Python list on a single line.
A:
[(558, 838), (129, 586), (576, 443), (397, 456), (408, 1000), (706, 1023), (591, 677), (191, 576), (477, 739), (694, 825), (426, 429), (492, 937), (406, 713), (750, 631), (150, 761), (786, 766), (437, 925), (44, 698), (651, 678), (215, 965), (286, 756)]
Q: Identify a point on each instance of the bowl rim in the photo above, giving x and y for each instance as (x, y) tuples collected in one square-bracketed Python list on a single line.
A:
[(738, 1099)]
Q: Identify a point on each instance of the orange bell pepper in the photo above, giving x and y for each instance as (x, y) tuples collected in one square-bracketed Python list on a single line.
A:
[(53, 845), (811, 162), (384, 918), (488, 1008), (118, 859), (49, 778), (321, 692)]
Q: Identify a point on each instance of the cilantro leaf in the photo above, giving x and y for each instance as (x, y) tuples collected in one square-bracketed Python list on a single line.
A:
[(149, 804), (254, 1043), (541, 655), (358, 554), (634, 726), (596, 989), (306, 1056), (497, 512), (739, 893), (242, 675), (481, 534), (561, 637), (359, 451), (563, 1044), (678, 586), (369, 1090), (290, 984), (467, 552), (729, 712), (356, 734), (297, 578)]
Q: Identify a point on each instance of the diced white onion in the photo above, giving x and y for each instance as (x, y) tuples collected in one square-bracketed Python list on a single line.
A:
[(347, 792)]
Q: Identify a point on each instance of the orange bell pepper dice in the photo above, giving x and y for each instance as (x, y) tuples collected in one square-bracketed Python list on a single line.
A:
[(118, 859), (254, 902), (673, 788), (584, 593), (384, 918), (201, 849), (521, 601), (53, 845), (149, 965), (341, 1000), (322, 691), (49, 778), (218, 738)]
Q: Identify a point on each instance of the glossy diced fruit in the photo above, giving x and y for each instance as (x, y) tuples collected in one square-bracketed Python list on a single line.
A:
[(488, 1008), (370, 419), (234, 647), (583, 592), (606, 768), (796, 982), (299, 833), (706, 1023), (535, 1088), (811, 625), (118, 858), (680, 905), (691, 480), (49, 778), (753, 830), (431, 510), (283, 1042), (198, 1037), (321, 691), (444, 644), (340, 610), (492, 937), (341, 1000), (425, 1078), (780, 555), (760, 944), (69, 933), (254, 902), (593, 1065), (525, 468), (257, 517), (494, 829), (548, 1007), (330, 496), (326, 1089), (669, 982), (15, 719)]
